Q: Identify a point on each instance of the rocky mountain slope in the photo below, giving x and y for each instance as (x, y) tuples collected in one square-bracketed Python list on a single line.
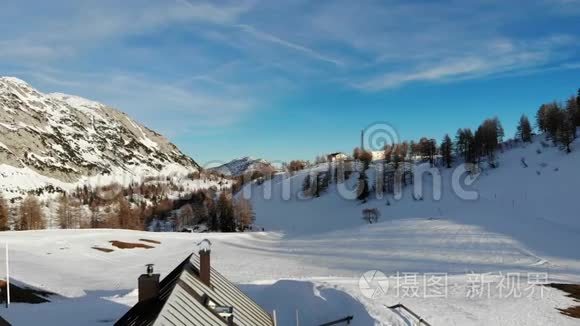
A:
[(60, 139), (242, 166)]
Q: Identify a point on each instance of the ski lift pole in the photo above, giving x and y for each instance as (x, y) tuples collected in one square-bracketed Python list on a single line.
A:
[(7, 279), (297, 318)]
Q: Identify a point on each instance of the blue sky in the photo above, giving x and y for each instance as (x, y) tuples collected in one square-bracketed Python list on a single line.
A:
[(294, 79)]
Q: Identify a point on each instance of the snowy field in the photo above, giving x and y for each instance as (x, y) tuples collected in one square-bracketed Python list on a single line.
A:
[(99, 287), (483, 259)]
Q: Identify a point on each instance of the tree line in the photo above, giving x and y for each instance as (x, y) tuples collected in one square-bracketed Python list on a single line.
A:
[(132, 207), (29, 214), (558, 121)]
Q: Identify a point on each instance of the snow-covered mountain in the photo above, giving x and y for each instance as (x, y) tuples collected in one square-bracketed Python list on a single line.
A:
[(57, 140), (242, 166)]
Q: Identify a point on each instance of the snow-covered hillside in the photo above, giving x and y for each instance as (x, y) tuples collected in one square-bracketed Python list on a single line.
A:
[(243, 166), (57, 139), (524, 215), (543, 192)]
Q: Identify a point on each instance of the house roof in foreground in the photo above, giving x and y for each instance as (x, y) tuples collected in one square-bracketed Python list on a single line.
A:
[(182, 301), (3, 322)]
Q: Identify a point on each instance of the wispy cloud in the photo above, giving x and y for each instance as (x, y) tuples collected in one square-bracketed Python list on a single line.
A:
[(501, 57), (30, 50), (230, 18), (88, 25), (276, 40)]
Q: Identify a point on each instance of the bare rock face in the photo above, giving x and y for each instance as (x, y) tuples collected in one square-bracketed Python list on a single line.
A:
[(66, 137)]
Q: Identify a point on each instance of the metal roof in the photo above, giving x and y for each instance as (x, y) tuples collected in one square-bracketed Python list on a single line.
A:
[(182, 302)]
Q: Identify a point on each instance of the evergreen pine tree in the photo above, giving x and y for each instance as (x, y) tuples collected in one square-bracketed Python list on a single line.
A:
[(307, 190), (225, 212), (465, 145), (486, 140), (432, 150), (541, 118), (552, 116), (212, 215), (323, 181), (573, 113), (315, 183), (500, 133), (447, 150), (566, 132), (363, 187), (524, 131)]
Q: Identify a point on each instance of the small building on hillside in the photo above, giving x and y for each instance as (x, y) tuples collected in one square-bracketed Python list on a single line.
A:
[(193, 294), (378, 155), (338, 156)]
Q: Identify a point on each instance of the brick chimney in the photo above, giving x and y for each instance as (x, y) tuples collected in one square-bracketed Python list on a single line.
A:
[(204, 262), (204, 266), (148, 285)]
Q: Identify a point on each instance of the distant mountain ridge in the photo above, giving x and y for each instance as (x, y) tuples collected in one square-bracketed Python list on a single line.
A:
[(242, 166), (65, 138)]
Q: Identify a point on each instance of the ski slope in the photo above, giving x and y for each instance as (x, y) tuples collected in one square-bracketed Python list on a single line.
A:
[(532, 206)]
